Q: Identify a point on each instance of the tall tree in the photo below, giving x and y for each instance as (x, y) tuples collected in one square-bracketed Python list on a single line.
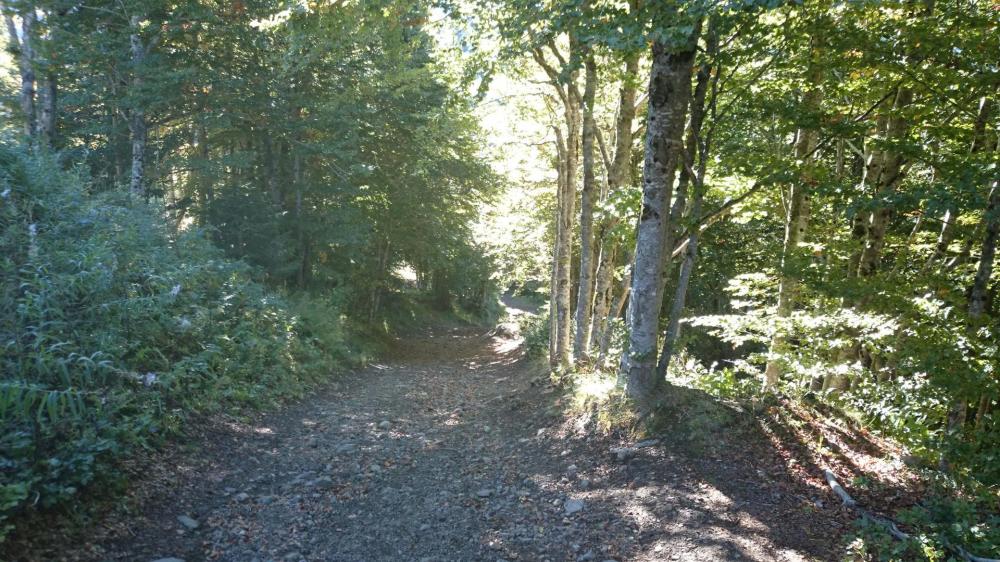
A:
[(669, 98), (797, 215), (20, 44), (585, 289)]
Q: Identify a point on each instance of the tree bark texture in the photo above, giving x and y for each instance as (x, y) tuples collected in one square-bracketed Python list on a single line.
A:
[(585, 292), (669, 96)]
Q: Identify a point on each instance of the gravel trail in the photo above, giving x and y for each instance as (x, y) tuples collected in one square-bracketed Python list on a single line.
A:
[(454, 449)]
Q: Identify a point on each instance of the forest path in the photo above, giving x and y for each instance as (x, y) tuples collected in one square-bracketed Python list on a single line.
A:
[(452, 450)]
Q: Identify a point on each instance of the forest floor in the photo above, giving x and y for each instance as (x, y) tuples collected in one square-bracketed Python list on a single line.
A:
[(458, 448)]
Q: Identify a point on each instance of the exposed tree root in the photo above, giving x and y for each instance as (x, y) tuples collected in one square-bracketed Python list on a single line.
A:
[(889, 524)]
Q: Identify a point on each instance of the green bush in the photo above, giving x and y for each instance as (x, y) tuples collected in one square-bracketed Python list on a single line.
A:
[(112, 330), (534, 329)]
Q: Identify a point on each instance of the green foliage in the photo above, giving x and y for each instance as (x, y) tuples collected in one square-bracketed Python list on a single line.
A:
[(534, 329), (947, 520), (112, 331)]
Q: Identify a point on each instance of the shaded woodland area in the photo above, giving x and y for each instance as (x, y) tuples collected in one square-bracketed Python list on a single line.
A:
[(791, 206)]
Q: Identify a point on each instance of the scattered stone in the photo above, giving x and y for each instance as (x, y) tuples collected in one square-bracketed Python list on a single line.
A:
[(646, 443), (572, 506), (584, 484), (322, 482), (187, 522), (384, 424), (293, 557), (507, 330), (572, 470), (241, 497), (586, 556), (623, 453), (484, 493), (265, 500), (168, 560)]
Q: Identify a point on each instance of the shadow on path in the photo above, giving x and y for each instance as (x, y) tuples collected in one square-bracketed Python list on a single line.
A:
[(456, 449)]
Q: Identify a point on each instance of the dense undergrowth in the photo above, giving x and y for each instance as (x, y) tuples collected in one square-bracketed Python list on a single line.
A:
[(113, 331)]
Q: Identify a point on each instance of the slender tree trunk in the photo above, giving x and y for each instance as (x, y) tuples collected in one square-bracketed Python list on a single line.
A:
[(884, 173), (47, 115), (602, 292), (564, 240), (305, 266), (618, 173), (564, 282), (982, 411), (904, 253), (561, 306), (669, 96), (695, 155), (978, 299), (585, 292), (680, 294), (614, 313), (271, 171), (796, 226), (553, 282), (25, 65), (554, 277), (137, 119), (381, 273), (944, 240), (205, 191), (979, 294)]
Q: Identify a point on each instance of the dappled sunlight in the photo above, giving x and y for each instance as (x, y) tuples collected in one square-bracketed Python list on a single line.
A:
[(499, 280), (597, 386), (505, 346)]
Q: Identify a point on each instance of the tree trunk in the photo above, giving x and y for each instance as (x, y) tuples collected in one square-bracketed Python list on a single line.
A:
[(602, 292), (137, 119), (613, 313), (669, 94), (978, 295), (695, 154), (47, 115), (25, 66), (564, 241), (617, 173), (883, 173), (680, 294), (978, 299), (561, 305), (271, 172), (553, 277), (205, 192), (796, 226), (991, 220), (585, 292), (305, 267), (944, 240), (565, 280)]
